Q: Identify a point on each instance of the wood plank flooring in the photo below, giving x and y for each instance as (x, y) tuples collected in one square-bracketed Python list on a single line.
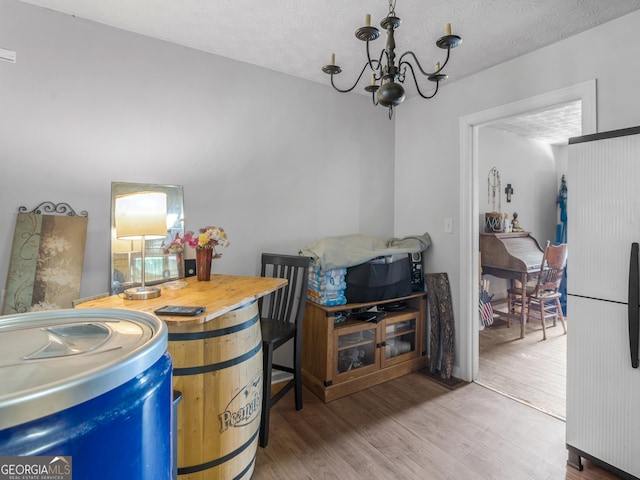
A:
[(414, 428), (530, 370)]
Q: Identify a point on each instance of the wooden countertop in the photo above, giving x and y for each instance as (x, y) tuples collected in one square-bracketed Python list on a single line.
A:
[(219, 295)]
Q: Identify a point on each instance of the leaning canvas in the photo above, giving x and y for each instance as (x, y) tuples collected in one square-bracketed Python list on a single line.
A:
[(45, 269)]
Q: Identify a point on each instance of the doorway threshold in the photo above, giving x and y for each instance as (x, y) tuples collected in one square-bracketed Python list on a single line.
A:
[(520, 400)]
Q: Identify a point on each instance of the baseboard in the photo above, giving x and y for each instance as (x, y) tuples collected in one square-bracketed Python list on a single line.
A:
[(278, 377)]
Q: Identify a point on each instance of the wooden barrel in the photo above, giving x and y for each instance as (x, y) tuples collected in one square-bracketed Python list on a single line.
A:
[(218, 368)]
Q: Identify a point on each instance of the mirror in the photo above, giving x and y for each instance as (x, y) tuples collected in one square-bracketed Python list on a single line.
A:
[(126, 255)]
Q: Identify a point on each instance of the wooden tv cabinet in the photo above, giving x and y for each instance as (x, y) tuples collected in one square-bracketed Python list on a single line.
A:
[(343, 357)]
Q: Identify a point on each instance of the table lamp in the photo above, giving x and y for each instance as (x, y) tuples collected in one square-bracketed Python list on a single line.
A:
[(141, 216)]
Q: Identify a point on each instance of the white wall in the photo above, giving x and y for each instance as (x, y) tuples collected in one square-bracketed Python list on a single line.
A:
[(277, 161), (428, 143), (561, 154), (530, 167)]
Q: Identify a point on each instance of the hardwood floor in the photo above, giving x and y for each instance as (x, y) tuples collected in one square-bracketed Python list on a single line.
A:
[(414, 428), (530, 370)]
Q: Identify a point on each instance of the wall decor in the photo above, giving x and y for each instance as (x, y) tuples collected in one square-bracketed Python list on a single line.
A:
[(45, 269), (493, 219)]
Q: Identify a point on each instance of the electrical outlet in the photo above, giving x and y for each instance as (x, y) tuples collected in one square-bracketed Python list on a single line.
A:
[(190, 267), (448, 225)]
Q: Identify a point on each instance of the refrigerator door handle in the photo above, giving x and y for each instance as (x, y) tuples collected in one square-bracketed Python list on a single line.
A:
[(633, 305)]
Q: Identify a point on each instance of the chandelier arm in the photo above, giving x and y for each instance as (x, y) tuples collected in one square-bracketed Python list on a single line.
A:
[(371, 62), (383, 52), (426, 74), (354, 85), (446, 60), (415, 81)]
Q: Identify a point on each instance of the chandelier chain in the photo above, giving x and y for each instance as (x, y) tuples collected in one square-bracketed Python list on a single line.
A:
[(392, 8)]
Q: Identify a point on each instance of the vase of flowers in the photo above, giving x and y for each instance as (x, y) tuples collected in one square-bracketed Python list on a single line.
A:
[(205, 243), (204, 256)]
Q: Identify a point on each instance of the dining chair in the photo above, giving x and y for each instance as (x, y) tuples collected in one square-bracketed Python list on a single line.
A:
[(543, 298), (281, 315)]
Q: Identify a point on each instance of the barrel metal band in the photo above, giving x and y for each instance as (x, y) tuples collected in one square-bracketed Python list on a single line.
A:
[(214, 333), (221, 460), (246, 469), (217, 366)]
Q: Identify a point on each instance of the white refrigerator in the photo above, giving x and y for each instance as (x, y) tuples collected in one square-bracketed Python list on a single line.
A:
[(603, 378)]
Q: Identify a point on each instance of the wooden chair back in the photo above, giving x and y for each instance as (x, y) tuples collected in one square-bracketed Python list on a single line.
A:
[(286, 304), (551, 270)]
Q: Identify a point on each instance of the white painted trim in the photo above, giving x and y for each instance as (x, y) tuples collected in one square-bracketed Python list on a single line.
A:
[(470, 200)]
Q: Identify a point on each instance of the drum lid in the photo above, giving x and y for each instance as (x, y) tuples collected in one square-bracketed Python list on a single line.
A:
[(53, 360)]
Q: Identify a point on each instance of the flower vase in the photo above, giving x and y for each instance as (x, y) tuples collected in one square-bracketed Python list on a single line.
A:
[(203, 263), (180, 264)]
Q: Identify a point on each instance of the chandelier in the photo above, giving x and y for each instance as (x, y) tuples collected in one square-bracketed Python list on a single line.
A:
[(386, 75)]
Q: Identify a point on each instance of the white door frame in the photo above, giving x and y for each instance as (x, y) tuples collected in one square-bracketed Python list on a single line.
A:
[(470, 199)]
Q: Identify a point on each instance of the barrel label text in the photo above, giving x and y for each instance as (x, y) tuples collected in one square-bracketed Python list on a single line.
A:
[(244, 407)]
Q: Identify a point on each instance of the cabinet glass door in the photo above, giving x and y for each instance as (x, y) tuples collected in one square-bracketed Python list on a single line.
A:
[(356, 350), (400, 340)]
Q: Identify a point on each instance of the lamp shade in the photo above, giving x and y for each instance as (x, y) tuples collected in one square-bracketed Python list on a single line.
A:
[(141, 214)]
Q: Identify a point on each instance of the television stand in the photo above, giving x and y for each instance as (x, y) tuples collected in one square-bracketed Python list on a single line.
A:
[(342, 355)]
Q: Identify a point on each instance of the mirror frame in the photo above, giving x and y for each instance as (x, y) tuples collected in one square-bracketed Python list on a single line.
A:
[(123, 257)]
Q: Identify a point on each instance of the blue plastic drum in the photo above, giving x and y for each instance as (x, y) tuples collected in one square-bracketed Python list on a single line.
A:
[(91, 386)]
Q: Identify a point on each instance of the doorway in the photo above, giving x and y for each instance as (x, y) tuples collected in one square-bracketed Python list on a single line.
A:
[(469, 200), (525, 156)]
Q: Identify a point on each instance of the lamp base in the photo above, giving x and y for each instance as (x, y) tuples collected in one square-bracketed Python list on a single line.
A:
[(141, 293)]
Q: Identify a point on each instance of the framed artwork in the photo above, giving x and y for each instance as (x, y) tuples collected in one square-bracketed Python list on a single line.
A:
[(45, 269)]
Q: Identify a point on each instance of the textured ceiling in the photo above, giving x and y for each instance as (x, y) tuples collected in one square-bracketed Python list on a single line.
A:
[(297, 37), (555, 125)]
